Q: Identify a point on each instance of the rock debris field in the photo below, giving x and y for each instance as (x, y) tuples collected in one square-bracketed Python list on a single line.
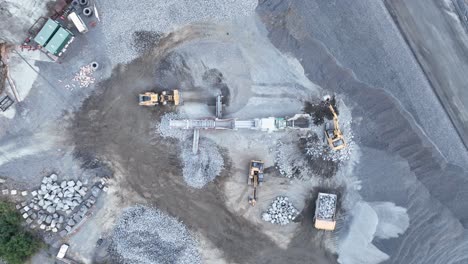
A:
[(147, 235), (281, 211)]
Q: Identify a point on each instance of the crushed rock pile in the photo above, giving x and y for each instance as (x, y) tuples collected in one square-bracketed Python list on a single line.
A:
[(147, 235), (201, 168), (164, 130), (280, 212), (161, 17), (318, 149), (327, 207)]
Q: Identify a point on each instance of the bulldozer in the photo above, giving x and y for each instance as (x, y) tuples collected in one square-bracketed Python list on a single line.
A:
[(333, 133), (255, 179), (152, 98)]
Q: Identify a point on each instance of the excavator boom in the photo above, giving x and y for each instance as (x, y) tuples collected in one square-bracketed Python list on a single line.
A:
[(333, 134)]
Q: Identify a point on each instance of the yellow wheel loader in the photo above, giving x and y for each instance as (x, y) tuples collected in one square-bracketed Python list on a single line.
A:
[(152, 99)]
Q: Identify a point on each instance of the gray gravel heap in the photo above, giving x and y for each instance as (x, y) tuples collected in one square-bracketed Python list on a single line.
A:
[(201, 168), (124, 18), (165, 130), (327, 206), (147, 235), (280, 212)]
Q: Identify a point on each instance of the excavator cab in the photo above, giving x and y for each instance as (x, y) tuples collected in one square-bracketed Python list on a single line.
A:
[(255, 179), (148, 99)]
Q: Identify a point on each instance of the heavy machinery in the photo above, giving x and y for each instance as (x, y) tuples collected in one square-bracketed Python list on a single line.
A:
[(333, 133), (255, 179), (325, 212), (152, 99)]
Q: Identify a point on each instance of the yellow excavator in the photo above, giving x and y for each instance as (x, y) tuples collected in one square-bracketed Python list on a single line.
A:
[(152, 99), (333, 133), (255, 179)]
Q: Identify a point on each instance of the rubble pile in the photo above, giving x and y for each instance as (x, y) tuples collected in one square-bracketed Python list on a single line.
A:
[(56, 205), (147, 235), (280, 212), (85, 76), (290, 161), (317, 149), (327, 206), (201, 168)]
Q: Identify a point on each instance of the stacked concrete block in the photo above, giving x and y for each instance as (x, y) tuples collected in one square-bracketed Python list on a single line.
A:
[(53, 202)]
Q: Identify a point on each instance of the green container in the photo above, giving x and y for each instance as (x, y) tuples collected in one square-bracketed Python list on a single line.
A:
[(46, 32), (58, 41)]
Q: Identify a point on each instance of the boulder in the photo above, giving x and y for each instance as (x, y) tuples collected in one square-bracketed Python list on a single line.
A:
[(48, 219), (63, 184), (71, 222), (71, 183), (53, 177)]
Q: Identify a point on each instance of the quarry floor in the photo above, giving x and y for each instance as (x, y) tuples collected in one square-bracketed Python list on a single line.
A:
[(270, 64)]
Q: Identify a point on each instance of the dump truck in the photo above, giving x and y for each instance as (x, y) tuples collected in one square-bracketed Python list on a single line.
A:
[(333, 133), (255, 179), (325, 211), (164, 98)]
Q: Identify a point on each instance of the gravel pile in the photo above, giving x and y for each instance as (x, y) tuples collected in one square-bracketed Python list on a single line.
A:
[(280, 212), (165, 130), (160, 16), (146, 235), (326, 206), (201, 168)]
